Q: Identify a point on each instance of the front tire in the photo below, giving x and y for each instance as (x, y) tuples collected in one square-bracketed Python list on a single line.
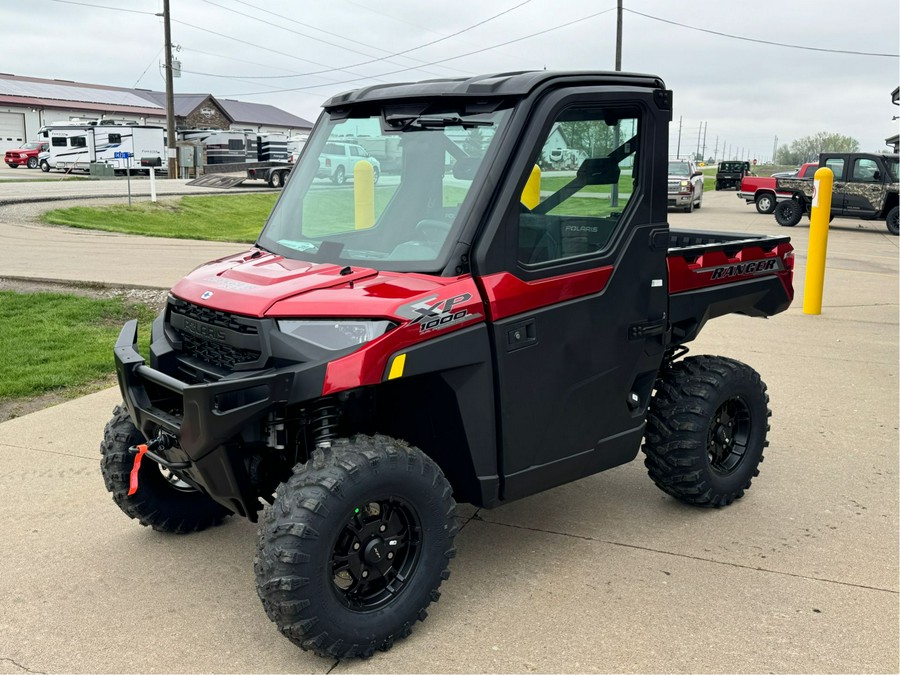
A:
[(706, 430), (765, 204), (45, 165), (32, 163), (788, 213), (893, 221), (355, 547), (163, 502)]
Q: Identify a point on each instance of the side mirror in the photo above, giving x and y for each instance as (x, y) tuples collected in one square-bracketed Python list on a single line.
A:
[(696, 173), (876, 176)]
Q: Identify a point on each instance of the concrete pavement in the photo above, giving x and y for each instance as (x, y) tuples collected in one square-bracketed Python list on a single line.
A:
[(605, 574)]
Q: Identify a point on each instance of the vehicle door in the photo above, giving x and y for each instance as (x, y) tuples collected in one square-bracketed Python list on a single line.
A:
[(575, 289), (838, 165), (864, 191)]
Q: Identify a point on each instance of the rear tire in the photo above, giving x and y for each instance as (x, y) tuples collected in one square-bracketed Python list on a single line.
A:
[(276, 179), (765, 204), (706, 430), (162, 502), (788, 213), (893, 221), (323, 572), (339, 177)]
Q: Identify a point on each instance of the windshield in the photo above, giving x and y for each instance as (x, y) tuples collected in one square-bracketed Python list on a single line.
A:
[(31, 146), (892, 164), (679, 169), (382, 192)]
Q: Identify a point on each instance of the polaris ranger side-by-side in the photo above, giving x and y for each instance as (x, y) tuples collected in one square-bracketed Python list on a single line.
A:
[(367, 365)]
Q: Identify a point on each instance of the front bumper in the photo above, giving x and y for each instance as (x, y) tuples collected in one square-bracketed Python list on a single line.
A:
[(16, 161), (680, 199), (207, 418)]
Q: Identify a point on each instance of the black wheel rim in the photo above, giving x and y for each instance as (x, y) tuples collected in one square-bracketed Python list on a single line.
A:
[(729, 436), (376, 554)]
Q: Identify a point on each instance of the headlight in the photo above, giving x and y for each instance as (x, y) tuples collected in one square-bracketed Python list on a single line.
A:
[(335, 334), (685, 183)]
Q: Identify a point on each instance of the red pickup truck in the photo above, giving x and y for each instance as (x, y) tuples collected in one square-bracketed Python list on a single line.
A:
[(761, 190), (26, 155)]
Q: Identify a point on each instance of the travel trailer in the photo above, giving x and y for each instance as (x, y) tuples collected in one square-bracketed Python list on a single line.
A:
[(77, 146)]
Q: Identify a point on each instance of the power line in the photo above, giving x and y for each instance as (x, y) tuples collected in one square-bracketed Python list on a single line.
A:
[(432, 63), (268, 49), (389, 56), (115, 9), (328, 32), (134, 86), (765, 42)]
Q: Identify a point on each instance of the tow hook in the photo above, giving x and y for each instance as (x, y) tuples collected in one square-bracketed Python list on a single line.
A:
[(161, 442)]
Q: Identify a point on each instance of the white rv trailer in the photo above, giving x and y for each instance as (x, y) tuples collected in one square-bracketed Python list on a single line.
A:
[(237, 146), (77, 146)]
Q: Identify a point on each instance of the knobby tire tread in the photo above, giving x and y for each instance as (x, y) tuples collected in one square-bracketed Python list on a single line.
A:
[(296, 520), (687, 395)]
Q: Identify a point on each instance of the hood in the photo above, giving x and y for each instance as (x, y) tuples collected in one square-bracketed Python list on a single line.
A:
[(258, 283)]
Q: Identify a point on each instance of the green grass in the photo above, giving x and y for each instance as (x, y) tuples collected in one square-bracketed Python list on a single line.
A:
[(554, 183), (221, 218), (53, 341)]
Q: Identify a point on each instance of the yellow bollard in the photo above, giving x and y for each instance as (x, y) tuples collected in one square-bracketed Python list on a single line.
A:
[(818, 241), (364, 195), (531, 194)]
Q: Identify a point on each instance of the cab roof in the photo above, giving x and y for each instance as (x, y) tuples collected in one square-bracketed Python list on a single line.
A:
[(518, 83)]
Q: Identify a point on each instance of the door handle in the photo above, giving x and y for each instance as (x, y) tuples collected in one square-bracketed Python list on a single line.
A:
[(521, 335)]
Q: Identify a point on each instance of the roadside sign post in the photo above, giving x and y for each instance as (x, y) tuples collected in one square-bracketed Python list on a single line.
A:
[(153, 184), (818, 241), (127, 157)]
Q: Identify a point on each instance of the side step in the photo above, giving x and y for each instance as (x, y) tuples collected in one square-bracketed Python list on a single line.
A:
[(219, 180)]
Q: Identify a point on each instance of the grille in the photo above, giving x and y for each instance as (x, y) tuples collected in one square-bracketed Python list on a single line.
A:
[(213, 317), (215, 352)]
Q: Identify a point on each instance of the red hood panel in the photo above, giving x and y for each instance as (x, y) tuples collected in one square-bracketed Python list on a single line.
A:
[(271, 285), (248, 285)]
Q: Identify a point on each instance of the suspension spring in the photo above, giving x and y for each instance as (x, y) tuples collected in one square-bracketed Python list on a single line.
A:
[(324, 423)]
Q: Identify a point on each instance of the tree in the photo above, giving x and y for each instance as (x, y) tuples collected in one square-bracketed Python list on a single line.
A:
[(474, 143), (807, 149)]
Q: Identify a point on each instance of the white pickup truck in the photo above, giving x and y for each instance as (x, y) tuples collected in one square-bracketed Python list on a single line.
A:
[(338, 159)]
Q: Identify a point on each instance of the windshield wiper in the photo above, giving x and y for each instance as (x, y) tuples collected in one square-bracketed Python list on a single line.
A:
[(404, 122)]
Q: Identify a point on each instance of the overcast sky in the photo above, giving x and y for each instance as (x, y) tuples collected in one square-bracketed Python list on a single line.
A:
[(747, 92)]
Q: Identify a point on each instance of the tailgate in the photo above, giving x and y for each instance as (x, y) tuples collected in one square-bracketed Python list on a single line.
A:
[(716, 273)]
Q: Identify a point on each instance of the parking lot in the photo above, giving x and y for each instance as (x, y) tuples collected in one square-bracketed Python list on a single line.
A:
[(606, 574)]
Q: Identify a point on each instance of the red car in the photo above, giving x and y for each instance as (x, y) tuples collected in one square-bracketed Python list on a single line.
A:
[(27, 155)]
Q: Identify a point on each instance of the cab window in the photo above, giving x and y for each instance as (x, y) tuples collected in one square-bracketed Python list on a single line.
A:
[(866, 171), (587, 176), (836, 164)]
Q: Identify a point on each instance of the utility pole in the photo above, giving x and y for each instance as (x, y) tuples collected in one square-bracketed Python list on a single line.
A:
[(703, 154), (170, 96), (699, 133), (619, 36), (678, 151), (614, 190), (716, 151), (774, 148)]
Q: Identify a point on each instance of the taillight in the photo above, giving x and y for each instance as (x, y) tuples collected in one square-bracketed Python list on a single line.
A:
[(327, 162), (788, 260)]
